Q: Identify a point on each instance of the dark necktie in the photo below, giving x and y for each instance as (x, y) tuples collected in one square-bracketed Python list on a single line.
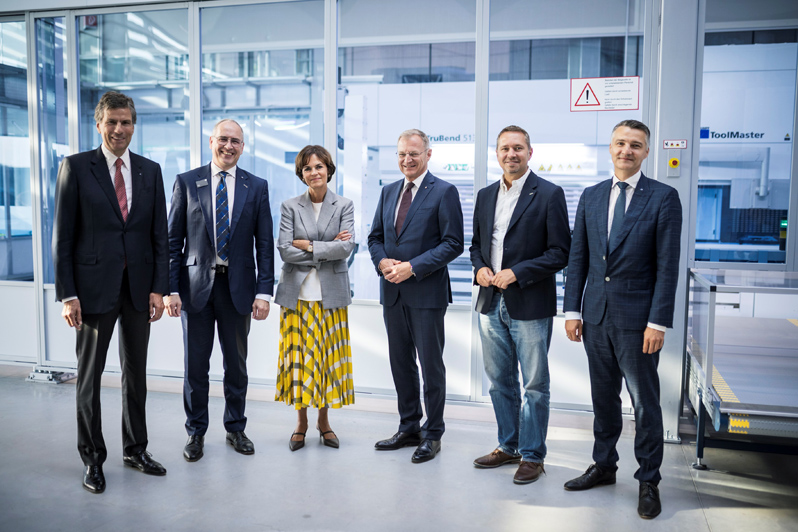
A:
[(404, 206), (222, 218), (620, 212), (119, 186)]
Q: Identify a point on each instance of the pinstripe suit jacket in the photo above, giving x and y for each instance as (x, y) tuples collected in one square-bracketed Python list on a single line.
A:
[(635, 278)]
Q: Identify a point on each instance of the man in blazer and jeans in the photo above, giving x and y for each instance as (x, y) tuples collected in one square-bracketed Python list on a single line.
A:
[(417, 231), (619, 297), (219, 214), (521, 240), (111, 264)]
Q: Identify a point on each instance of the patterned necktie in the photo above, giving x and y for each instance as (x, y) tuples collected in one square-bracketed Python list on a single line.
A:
[(222, 218), (404, 206), (119, 186), (620, 212)]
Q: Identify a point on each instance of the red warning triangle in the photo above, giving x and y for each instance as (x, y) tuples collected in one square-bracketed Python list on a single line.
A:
[(587, 98)]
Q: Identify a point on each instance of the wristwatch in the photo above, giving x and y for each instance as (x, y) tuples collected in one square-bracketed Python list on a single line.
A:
[(310, 247)]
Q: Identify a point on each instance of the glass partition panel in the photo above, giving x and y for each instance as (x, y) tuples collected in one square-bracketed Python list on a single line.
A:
[(268, 76), (396, 77), (16, 228), (143, 54), (532, 60), (51, 87), (747, 121)]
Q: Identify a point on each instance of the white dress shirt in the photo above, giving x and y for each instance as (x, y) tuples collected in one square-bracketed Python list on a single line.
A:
[(615, 192), (505, 205), (110, 159), (310, 290)]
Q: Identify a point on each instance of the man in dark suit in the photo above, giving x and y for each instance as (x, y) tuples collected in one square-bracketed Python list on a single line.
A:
[(417, 230), (219, 213), (622, 276), (521, 240), (111, 264)]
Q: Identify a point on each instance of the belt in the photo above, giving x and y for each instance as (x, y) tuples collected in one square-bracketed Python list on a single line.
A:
[(220, 269)]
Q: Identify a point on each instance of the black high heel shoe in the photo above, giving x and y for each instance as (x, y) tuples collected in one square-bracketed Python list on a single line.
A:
[(329, 442), (296, 445)]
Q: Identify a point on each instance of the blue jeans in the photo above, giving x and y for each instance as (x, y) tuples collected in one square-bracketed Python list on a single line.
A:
[(506, 343)]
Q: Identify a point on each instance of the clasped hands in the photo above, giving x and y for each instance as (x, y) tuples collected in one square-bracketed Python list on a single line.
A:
[(395, 271), (501, 280)]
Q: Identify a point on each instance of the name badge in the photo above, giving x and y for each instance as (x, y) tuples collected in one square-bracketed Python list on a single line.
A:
[(203, 183)]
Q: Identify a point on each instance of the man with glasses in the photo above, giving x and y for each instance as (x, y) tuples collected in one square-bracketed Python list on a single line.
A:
[(219, 213), (521, 240), (417, 231)]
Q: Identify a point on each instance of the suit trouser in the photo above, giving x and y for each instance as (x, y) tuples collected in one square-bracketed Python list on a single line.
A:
[(93, 339), (412, 330), (198, 338), (614, 354)]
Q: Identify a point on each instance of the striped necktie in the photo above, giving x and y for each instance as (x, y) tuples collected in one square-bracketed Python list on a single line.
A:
[(222, 219)]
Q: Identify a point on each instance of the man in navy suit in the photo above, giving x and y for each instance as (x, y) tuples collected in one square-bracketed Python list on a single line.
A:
[(621, 282), (219, 214), (111, 264), (521, 240), (417, 230)]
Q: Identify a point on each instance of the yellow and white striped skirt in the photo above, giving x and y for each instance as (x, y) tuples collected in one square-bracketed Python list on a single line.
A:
[(315, 365)]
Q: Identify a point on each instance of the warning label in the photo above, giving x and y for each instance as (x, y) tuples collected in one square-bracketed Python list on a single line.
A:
[(605, 94)]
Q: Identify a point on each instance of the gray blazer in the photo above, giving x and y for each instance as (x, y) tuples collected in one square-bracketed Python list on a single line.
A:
[(297, 222)]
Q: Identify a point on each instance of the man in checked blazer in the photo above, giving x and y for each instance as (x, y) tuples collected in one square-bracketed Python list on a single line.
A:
[(219, 214), (619, 296), (417, 231)]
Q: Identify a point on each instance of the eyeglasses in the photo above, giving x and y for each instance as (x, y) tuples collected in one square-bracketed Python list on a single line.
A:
[(232, 140), (412, 154)]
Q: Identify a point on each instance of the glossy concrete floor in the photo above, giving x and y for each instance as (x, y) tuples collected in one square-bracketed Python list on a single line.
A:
[(355, 487)]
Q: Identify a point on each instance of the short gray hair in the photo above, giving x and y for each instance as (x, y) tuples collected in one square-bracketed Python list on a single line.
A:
[(407, 133), (515, 129), (222, 121), (634, 124), (114, 100)]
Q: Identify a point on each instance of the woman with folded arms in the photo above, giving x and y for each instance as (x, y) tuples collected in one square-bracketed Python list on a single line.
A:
[(316, 238)]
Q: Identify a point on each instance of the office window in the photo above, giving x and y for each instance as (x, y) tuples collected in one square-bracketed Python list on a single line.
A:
[(143, 54), (16, 248), (418, 74), (51, 61), (747, 123), (267, 75)]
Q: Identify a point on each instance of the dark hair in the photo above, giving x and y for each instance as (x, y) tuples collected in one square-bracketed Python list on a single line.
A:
[(114, 100), (635, 124), (304, 155), (514, 129)]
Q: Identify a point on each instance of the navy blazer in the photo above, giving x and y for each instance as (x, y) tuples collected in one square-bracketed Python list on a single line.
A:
[(92, 243), (535, 247), (635, 279), (431, 237), (192, 248)]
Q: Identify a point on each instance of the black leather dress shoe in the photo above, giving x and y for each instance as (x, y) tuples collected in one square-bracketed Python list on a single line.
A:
[(649, 505), (426, 451), (594, 476), (399, 440), (93, 479), (193, 449), (240, 442), (143, 462)]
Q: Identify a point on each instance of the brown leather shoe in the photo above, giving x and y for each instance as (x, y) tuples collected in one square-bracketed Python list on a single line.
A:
[(528, 472), (495, 459)]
